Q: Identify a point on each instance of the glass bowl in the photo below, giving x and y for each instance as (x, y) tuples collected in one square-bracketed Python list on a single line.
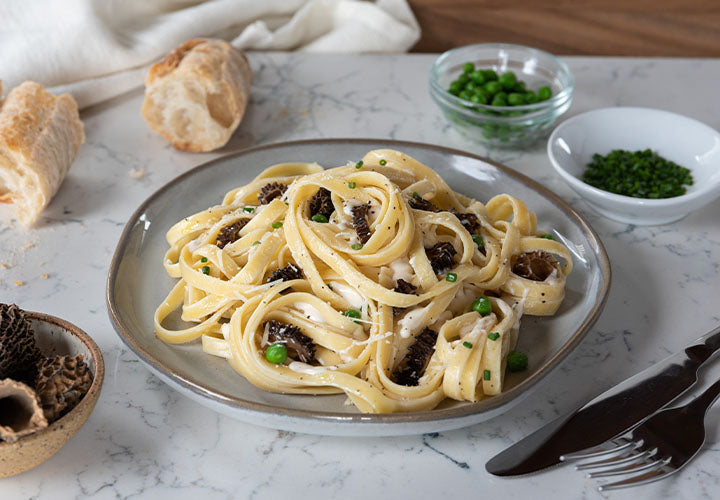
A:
[(503, 126)]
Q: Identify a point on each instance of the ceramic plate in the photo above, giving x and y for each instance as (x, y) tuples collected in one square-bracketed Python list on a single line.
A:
[(137, 283)]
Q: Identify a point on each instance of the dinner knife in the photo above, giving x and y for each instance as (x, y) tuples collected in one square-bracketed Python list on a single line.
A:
[(610, 414)]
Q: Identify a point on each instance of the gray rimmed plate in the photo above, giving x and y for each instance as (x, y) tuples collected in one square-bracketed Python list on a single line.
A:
[(137, 283)]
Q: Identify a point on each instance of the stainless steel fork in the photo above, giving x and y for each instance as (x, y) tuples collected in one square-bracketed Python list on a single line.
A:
[(658, 447)]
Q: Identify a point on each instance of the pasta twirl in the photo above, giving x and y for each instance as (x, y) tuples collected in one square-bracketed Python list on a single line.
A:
[(367, 274)]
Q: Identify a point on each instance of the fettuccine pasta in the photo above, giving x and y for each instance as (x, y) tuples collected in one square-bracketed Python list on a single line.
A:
[(374, 279)]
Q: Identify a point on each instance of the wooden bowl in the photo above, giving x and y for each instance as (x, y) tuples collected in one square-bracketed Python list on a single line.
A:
[(55, 336)]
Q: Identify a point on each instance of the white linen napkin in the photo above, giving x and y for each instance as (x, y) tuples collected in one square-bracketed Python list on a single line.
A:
[(98, 49)]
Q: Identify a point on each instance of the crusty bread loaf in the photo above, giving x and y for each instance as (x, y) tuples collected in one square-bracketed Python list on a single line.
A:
[(40, 135), (197, 95)]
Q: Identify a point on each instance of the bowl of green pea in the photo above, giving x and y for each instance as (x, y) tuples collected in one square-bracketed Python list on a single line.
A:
[(501, 95)]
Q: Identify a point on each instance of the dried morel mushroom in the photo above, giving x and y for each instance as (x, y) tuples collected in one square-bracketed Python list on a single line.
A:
[(230, 233), (19, 354), (61, 383), (321, 203), (536, 265), (419, 203), (403, 286), (469, 221), (299, 345), (271, 191), (413, 365), (360, 222), (287, 273), (441, 256), (20, 411)]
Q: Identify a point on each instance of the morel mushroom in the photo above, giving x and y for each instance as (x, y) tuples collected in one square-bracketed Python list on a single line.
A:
[(271, 191), (419, 203), (469, 221), (413, 365), (20, 411), (403, 286), (300, 346), (536, 265), (441, 256), (360, 222), (230, 233), (19, 353), (321, 203), (62, 382), (287, 273)]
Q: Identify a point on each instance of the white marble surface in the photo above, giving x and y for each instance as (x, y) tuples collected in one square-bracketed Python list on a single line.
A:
[(146, 441)]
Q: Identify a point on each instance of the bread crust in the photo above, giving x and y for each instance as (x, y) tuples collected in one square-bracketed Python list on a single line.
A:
[(40, 135), (197, 95)]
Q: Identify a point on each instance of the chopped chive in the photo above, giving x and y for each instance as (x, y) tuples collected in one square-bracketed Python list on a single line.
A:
[(486, 374), (205, 269), (479, 241), (276, 225), (547, 236), (359, 164), (383, 163), (249, 209), (356, 246), (451, 277), (352, 185), (416, 195), (467, 344), (493, 336), (319, 218), (203, 259), (256, 242)]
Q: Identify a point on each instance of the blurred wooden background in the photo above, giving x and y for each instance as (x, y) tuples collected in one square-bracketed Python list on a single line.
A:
[(688, 28)]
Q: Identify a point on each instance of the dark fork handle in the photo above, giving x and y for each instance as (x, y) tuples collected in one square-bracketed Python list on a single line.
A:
[(704, 401)]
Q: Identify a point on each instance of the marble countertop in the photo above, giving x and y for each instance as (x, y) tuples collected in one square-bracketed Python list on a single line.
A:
[(144, 440)]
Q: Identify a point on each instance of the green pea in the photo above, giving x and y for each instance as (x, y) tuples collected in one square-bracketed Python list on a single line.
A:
[(508, 80), (476, 99), (519, 87), (352, 313), (468, 67), (470, 86), (499, 99), (482, 96), (463, 79), (455, 88), (531, 97), (319, 218), (477, 77), (517, 361), (465, 95), (544, 93), (515, 99), (490, 74), (492, 87), (482, 306), (205, 269), (276, 353)]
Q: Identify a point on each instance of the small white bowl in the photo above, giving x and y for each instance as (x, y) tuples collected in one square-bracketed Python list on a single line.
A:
[(678, 138)]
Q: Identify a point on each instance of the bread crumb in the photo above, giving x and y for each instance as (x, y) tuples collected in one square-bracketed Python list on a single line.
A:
[(137, 173), (18, 283), (29, 246), (4, 266), (44, 276), (41, 264)]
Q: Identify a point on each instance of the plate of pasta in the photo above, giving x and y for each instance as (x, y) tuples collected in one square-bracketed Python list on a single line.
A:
[(355, 287)]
